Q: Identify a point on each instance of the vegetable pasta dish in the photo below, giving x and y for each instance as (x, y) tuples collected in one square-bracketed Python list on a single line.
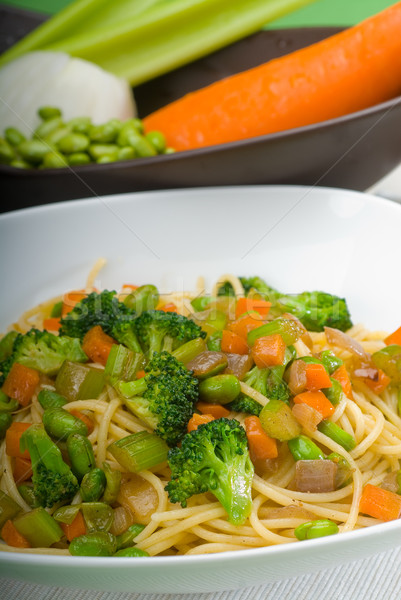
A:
[(140, 424)]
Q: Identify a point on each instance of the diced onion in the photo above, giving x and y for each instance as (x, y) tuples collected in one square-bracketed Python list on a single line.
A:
[(338, 338), (315, 476)]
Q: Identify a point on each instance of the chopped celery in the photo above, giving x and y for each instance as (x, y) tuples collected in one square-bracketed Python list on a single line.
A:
[(188, 351), (122, 364), (39, 528), (139, 451), (278, 421), (79, 382), (8, 508), (140, 40), (289, 330), (113, 481)]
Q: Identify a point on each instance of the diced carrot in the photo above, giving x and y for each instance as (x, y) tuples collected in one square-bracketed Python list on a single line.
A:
[(316, 400), (22, 469), (216, 410), (197, 420), (170, 307), (244, 324), (317, 377), (12, 537), (129, 286), (97, 344), (140, 374), (393, 338), (341, 375), (261, 445), (13, 436), (51, 324), (380, 385), (269, 351), (380, 503), (245, 305), (70, 299), (21, 383), (84, 418), (74, 529), (233, 343)]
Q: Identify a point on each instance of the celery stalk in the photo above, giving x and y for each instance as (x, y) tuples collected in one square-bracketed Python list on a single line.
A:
[(164, 35)]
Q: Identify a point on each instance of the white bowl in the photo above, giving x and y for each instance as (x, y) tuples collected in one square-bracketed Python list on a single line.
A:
[(297, 238)]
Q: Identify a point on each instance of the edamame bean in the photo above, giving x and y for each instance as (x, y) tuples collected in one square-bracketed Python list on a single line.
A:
[(145, 297), (7, 153), (5, 422), (143, 148), (47, 127), (50, 399), (126, 153), (105, 133), (220, 389), (99, 543), (126, 539), (98, 516), (53, 160), (315, 529), (131, 552), (81, 456), (302, 448), (106, 158), (14, 136), (18, 163), (8, 405), (59, 423), (47, 112), (93, 485), (157, 139), (96, 151), (73, 142), (80, 124), (55, 136), (34, 151), (78, 158)]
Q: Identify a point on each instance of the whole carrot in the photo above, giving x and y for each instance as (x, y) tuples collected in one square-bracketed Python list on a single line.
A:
[(350, 71)]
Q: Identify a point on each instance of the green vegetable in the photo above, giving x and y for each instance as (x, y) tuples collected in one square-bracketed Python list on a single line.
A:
[(5, 422), (8, 508), (139, 451), (8, 405), (289, 330), (220, 389), (316, 529), (122, 364), (126, 539), (27, 493), (389, 360), (335, 392), (145, 297), (214, 342), (131, 552), (81, 454), (269, 381), (97, 543), (98, 516), (201, 302), (57, 309), (246, 405), (66, 514), (93, 485), (343, 473), (7, 344), (79, 382), (302, 448), (59, 423), (113, 481), (7, 153), (14, 136), (214, 458), (278, 421), (190, 350), (49, 112), (338, 435), (39, 528), (330, 361), (53, 160), (49, 399)]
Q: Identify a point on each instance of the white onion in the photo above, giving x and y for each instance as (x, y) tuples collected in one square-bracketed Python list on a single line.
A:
[(78, 87)]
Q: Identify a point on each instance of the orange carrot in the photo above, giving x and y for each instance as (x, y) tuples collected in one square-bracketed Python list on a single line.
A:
[(251, 304), (261, 446), (170, 307), (380, 503), (316, 400), (317, 377), (51, 324), (74, 529), (21, 383), (22, 469), (216, 410), (197, 420), (97, 344), (140, 374), (12, 537), (394, 338), (13, 436), (70, 299), (341, 375), (245, 323), (233, 343), (84, 418), (268, 351), (380, 385), (347, 72)]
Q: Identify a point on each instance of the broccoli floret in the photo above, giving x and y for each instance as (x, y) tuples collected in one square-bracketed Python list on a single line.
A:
[(53, 481), (269, 382), (103, 309), (43, 351), (257, 284), (164, 398), (214, 458), (244, 404), (158, 330)]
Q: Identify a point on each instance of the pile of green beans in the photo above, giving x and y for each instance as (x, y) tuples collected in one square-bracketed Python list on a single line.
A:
[(57, 143)]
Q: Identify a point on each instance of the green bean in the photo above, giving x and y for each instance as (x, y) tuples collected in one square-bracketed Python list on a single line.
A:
[(5, 422), (96, 151), (338, 435), (73, 142), (113, 481), (302, 448), (81, 455), (97, 543), (330, 361), (335, 392), (48, 112), (50, 399), (145, 297), (27, 493), (34, 151), (59, 423), (78, 158), (105, 133), (80, 124), (158, 140), (93, 485), (8, 405), (316, 529), (53, 160), (131, 552), (7, 153), (98, 516), (220, 389), (14, 136), (126, 539), (47, 127)]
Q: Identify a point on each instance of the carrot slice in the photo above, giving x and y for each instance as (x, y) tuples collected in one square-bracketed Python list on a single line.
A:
[(345, 73), (269, 351), (170, 307), (316, 400), (21, 383), (84, 418), (245, 305), (317, 377), (140, 374), (393, 338), (380, 385), (380, 503), (341, 375), (12, 537), (197, 420), (244, 324), (13, 436), (22, 469), (216, 410), (74, 529), (52, 324), (261, 445), (70, 299), (97, 344), (233, 343)]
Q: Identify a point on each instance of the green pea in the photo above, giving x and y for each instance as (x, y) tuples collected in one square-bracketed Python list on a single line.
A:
[(73, 142), (96, 151), (34, 151), (50, 399), (126, 153), (316, 529), (338, 435), (14, 136), (80, 124), (8, 405), (47, 127), (48, 112), (99, 543), (158, 140), (105, 133), (145, 297), (5, 422), (78, 158), (131, 552), (59, 423), (126, 539), (302, 448), (7, 153), (53, 160), (81, 455), (220, 389), (93, 485)]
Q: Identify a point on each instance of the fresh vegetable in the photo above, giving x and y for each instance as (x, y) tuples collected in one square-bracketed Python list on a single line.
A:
[(337, 76), (334, 432), (60, 424), (96, 543), (13, 437), (379, 503), (303, 448), (199, 419), (278, 421), (20, 383), (214, 458), (97, 345), (79, 382), (216, 410), (39, 528), (394, 338), (233, 343), (220, 389), (93, 485), (269, 351), (8, 508), (80, 453), (261, 446), (13, 537), (316, 400), (139, 451), (315, 529), (74, 529)]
